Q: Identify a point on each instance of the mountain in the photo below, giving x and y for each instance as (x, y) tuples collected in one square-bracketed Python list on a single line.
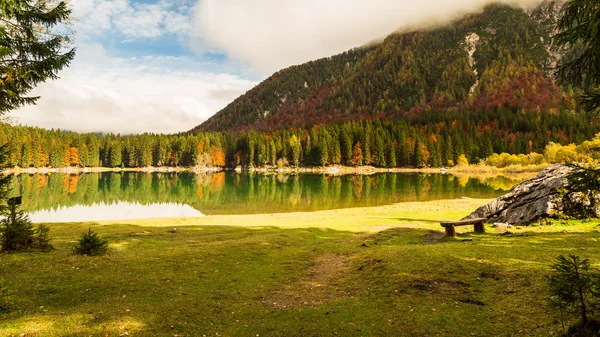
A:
[(500, 58)]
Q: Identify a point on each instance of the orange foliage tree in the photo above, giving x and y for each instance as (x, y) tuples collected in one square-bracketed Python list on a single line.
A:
[(217, 155), (74, 156)]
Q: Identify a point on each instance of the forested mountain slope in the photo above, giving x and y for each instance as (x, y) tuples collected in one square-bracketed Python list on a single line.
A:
[(498, 60)]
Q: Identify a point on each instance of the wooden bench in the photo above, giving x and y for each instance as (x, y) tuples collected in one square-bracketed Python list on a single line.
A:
[(478, 223)]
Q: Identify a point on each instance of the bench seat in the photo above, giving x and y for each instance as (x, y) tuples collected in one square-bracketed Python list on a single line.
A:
[(478, 224)]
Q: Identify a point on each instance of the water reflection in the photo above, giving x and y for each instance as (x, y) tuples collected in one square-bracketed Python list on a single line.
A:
[(240, 193), (116, 211)]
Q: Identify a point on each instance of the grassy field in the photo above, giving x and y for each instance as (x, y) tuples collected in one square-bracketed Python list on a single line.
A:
[(382, 271)]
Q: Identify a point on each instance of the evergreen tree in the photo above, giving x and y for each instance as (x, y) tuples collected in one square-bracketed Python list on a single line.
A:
[(115, 156), (272, 152), (295, 150), (572, 287), (336, 156), (31, 52), (379, 152), (322, 152), (392, 155), (93, 152), (26, 155), (419, 154), (36, 156), (346, 146), (579, 26)]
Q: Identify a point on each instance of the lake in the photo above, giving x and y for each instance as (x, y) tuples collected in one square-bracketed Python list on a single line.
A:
[(134, 195)]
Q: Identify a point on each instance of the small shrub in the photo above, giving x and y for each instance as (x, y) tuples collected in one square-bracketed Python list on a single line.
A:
[(91, 244), (17, 233), (573, 291), (41, 238)]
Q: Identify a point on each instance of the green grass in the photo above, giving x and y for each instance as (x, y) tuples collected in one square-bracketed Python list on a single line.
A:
[(382, 271)]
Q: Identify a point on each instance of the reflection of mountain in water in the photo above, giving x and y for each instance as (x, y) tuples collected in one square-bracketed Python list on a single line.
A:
[(117, 211), (233, 193)]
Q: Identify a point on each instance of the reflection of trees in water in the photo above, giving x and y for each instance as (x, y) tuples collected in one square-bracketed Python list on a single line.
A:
[(217, 182), (230, 192)]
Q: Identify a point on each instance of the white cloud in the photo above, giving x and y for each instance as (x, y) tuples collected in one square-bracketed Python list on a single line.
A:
[(273, 34), (131, 19), (100, 93)]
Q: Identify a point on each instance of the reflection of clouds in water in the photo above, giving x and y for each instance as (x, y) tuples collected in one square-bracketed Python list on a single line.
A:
[(115, 211)]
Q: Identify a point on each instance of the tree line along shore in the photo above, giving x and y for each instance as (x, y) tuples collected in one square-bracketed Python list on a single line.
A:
[(378, 143)]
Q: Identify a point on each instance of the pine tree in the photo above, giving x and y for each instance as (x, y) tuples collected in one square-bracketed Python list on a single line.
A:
[(115, 155), (392, 154), (295, 150), (93, 152), (30, 51), (323, 152), (336, 156), (346, 147), (26, 154), (379, 152), (419, 154), (272, 152), (159, 154), (572, 287), (579, 26)]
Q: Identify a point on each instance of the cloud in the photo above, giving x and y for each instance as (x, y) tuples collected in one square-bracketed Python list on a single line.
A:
[(99, 93), (131, 19), (272, 35)]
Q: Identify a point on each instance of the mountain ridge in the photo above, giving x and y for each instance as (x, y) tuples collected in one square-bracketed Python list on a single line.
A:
[(501, 56)]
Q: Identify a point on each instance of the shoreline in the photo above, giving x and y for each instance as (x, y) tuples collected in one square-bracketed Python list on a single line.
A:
[(328, 170), (78, 170)]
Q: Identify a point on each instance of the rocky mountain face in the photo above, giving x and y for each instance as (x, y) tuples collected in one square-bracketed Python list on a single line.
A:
[(501, 58)]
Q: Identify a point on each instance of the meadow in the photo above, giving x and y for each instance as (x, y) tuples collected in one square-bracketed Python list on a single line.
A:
[(380, 271)]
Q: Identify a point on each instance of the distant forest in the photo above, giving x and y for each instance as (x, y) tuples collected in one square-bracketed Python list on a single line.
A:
[(432, 139)]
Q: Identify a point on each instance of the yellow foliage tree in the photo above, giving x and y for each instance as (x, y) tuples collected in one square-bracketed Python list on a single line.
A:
[(462, 160)]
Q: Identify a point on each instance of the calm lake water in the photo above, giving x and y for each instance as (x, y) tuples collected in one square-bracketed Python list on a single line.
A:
[(132, 195)]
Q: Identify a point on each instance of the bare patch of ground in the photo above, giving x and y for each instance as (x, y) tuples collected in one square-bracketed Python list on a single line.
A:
[(318, 287), (434, 236)]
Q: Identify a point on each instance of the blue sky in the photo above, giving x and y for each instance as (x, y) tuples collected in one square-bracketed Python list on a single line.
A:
[(165, 66)]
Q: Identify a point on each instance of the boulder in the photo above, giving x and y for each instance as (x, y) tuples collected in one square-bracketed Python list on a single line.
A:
[(547, 195)]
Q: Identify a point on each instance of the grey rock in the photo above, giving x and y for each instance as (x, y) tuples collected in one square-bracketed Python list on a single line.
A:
[(502, 226), (545, 196)]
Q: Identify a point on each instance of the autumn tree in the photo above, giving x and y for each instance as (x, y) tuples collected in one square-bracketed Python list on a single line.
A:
[(217, 156), (74, 156), (462, 160)]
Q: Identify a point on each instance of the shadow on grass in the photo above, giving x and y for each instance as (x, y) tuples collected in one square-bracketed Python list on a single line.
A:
[(420, 220)]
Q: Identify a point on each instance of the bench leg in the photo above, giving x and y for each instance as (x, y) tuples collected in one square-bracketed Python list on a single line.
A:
[(479, 227), (450, 231)]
